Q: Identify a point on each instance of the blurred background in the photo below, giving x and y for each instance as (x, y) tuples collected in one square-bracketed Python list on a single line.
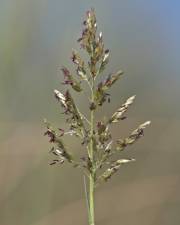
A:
[(37, 36)]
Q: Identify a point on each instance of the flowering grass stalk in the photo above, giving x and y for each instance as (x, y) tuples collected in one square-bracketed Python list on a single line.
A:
[(95, 136)]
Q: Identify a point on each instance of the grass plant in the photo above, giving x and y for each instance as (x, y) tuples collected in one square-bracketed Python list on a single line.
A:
[(95, 136)]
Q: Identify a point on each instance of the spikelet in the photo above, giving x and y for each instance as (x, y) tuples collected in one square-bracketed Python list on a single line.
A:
[(101, 94), (60, 97), (118, 115), (70, 80), (133, 137), (113, 169)]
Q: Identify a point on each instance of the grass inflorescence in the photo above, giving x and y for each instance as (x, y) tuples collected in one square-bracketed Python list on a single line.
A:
[(97, 163)]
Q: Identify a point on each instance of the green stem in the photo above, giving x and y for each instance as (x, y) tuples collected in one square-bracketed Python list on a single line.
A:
[(91, 200), (92, 175)]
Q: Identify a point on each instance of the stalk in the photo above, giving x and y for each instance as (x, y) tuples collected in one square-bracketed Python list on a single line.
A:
[(91, 200), (92, 174)]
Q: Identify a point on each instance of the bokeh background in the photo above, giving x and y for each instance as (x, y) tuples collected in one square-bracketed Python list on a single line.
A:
[(36, 37)]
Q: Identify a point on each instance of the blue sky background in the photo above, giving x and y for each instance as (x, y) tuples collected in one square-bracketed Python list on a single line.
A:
[(143, 37)]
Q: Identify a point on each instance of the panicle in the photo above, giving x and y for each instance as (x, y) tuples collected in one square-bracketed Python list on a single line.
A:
[(96, 137)]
